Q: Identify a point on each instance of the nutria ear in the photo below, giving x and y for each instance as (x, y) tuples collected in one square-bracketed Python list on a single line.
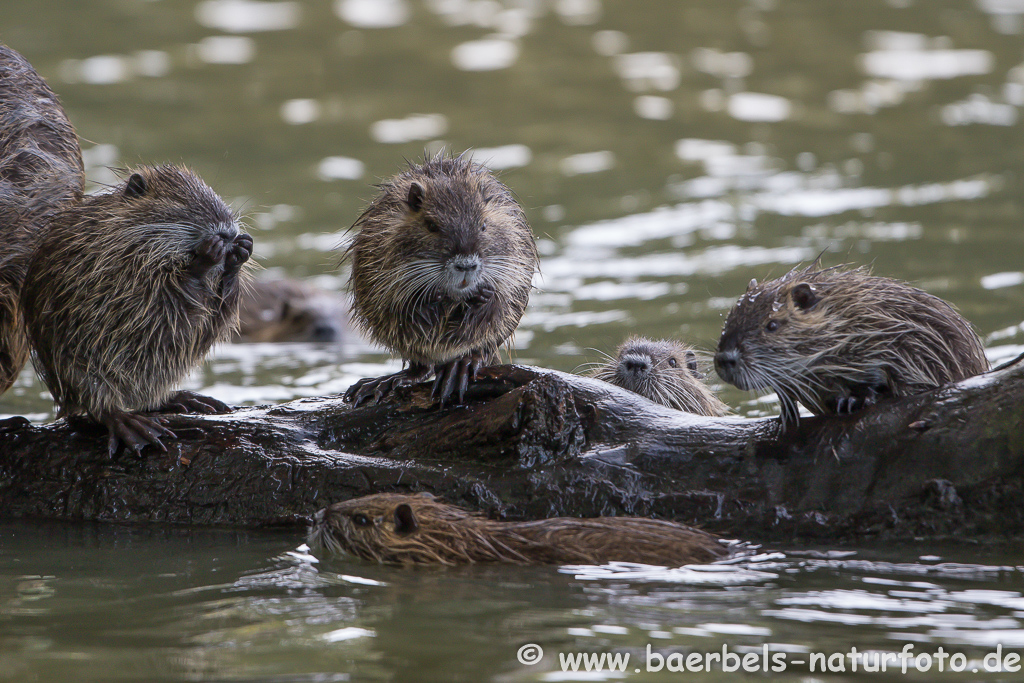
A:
[(415, 198), (405, 519), (804, 297), (751, 284), (691, 363), (136, 186)]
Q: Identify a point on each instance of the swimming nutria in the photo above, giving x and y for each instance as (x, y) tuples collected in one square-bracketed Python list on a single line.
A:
[(392, 528), (127, 292), (664, 371), (442, 266), (837, 340), (40, 169), (289, 311)]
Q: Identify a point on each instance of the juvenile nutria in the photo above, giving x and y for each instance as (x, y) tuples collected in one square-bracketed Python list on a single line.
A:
[(442, 265), (289, 311), (127, 292), (40, 170), (408, 530), (664, 371), (837, 340)]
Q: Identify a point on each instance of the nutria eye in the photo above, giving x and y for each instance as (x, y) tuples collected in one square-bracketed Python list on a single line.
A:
[(361, 520), (431, 225), (772, 325), (672, 362)]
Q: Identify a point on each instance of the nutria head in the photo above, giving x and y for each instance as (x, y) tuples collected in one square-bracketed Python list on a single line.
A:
[(664, 371), (442, 262), (821, 335), (290, 311)]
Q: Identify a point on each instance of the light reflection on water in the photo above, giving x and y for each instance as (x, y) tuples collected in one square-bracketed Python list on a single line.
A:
[(664, 157)]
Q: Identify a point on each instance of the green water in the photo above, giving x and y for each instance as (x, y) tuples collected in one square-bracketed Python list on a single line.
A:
[(665, 152)]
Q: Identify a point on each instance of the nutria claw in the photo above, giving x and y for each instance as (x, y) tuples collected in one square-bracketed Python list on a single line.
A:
[(191, 402), (239, 251), (461, 369), (379, 387), (135, 431), (209, 253)]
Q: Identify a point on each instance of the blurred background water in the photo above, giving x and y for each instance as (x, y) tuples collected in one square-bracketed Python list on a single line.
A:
[(665, 153)]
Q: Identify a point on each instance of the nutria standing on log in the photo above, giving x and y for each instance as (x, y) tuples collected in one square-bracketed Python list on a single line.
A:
[(408, 530), (664, 371), (442, 266), (838, 340), (289, 311), (40, 170), (127, 292)]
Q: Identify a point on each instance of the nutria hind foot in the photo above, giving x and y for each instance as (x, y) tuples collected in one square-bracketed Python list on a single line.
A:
[(134, 431), (191, 402), (377, 388), (13, 424), (459, 370)]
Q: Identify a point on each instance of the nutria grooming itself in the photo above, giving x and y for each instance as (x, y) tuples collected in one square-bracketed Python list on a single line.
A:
[(408, 530), (837, 340), (40, 170), (664, 371), (289, 311), (442, 266), (127, 292)]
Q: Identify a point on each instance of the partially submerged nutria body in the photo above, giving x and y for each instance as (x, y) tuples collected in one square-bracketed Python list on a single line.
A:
[(127, 292), (664, 371), (289, 311), (417, 529), (837, 340), (442, 266), (40, 170)]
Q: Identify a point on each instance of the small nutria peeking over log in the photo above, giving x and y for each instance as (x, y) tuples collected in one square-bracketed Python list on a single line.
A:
[(40, 170), (127, 292), (290, 311), (409, 530), (664, 371), (442, 266), (837, 340)]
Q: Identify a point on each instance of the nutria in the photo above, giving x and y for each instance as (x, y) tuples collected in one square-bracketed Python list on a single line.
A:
[(289, 311), (40, 170), (664, 371), (407, 530), (837, 340), (442, 266), (126, 293)]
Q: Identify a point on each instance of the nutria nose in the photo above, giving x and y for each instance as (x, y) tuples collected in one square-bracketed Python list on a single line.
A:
[(636, 364), (466, 267), (726, 361)]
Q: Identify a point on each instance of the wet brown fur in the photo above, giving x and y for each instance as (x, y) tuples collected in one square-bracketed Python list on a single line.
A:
[(664, 371), (290, 311), (418, 529), (40, 170), (843, 338), (118, 313), (402, 296)]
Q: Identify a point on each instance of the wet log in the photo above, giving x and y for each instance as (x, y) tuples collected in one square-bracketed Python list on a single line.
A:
[(535, 443)]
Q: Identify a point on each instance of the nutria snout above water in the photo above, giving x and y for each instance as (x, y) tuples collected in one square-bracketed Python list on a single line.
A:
[(283, 310), (664, 371), (127, 292), (408, 530), (442, 267), (839, 339), (40, 170)]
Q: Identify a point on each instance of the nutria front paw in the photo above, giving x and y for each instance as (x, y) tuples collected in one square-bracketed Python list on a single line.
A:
[(134, 431), (481, 296), (239, 252), (211, 252), (191, 402)]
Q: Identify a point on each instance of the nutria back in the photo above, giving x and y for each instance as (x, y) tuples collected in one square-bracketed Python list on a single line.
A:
[(40, 170), (121, 300), (665, 371), (835, 339), (442, 262), (418, 529)]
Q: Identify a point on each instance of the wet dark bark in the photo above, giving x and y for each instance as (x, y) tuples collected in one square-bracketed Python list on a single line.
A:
[(536, 443)]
